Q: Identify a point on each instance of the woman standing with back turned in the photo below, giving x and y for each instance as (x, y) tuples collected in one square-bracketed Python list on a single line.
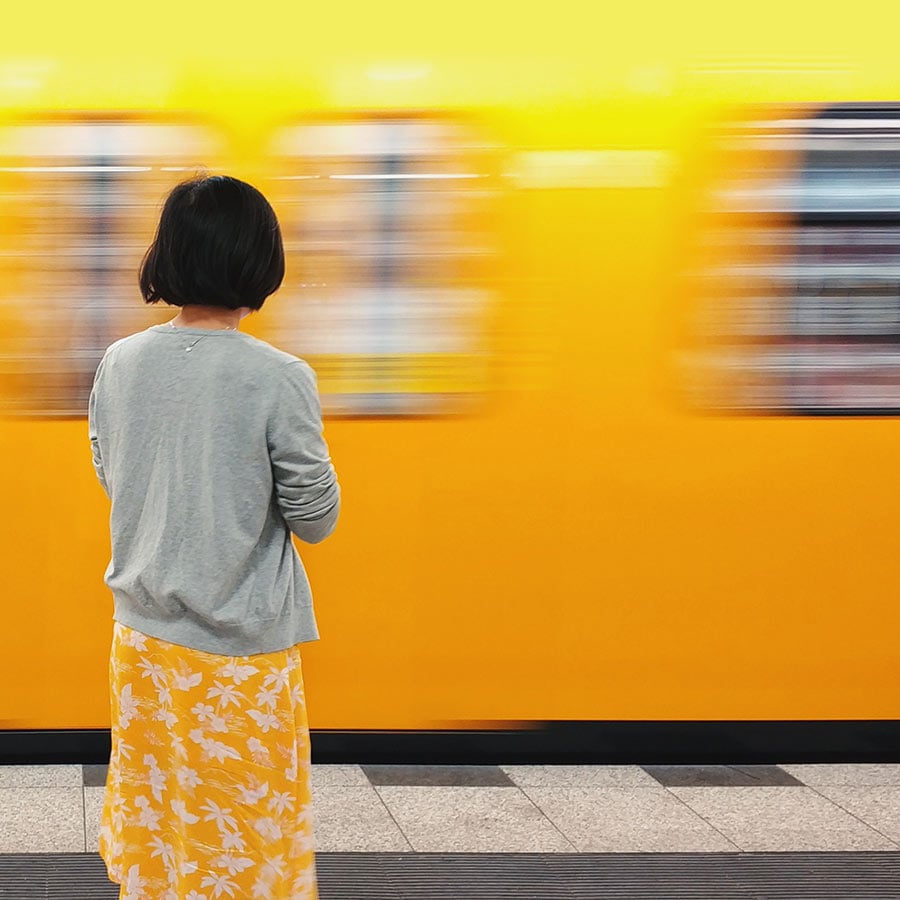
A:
[(209, 444)]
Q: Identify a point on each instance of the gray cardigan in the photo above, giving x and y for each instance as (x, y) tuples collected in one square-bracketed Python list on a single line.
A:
[(209, 444)]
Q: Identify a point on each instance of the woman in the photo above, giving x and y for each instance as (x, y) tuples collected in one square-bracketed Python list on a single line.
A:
[(209, 444)]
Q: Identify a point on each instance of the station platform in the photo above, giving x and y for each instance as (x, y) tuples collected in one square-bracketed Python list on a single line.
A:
[(543, 832)]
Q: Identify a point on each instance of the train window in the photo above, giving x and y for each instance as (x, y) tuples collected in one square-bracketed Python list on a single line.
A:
[(79, 199), (797, 295), (388, 220)]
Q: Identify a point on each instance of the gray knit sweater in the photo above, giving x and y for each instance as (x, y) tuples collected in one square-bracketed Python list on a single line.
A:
[(209, 444)]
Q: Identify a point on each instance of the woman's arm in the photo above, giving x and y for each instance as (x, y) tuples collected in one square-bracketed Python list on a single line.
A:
[(306, 486), (93, 431)]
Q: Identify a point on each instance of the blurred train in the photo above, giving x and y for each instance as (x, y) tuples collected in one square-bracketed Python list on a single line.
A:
[(608, 344)]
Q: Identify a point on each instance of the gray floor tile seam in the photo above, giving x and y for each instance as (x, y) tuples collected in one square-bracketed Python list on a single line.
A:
[(571, 841), (403, 834), (703, 818), (544, 815), (568, 840), (855, 816)]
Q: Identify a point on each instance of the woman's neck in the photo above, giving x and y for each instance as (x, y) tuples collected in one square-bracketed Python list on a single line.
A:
[(211, 317)]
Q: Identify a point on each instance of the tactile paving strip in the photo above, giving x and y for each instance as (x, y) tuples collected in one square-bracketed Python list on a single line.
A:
[(523, 876)]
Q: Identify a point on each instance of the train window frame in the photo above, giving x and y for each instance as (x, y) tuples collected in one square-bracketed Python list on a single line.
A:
[(765, 337), (46, 367), (393, 383)]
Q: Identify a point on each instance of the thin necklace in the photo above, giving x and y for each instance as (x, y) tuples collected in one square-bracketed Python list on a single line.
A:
[(196, 341)]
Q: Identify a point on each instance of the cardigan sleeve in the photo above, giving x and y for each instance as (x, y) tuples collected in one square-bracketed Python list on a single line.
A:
[(305, 483), (93, 430)]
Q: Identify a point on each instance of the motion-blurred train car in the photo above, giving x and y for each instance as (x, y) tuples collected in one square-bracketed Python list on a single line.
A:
[(608, 339)]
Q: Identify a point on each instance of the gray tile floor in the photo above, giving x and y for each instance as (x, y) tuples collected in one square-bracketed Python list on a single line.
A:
[(524, 809)]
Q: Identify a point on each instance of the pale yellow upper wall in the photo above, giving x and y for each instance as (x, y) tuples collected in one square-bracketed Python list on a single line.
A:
[(471, 51)]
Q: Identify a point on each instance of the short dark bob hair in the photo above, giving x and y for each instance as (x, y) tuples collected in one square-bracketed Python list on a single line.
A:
[(218, 244)]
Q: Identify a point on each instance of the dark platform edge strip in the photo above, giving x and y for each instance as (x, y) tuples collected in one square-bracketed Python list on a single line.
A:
[(414, 876), (573, 742)]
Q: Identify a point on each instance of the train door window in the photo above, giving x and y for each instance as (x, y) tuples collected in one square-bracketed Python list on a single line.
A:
[(387, 226), (798, 300), (79, 200)]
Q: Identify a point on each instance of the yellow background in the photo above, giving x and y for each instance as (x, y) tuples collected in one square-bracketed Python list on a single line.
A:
[(581, 547)]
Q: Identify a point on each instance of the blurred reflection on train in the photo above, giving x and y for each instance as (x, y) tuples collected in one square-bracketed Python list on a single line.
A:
[(798, 307), (386, 219), (388, 222), (576, 362), (78, 197)]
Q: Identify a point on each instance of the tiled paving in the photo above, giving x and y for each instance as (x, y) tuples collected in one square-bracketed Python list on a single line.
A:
[(524, 809)]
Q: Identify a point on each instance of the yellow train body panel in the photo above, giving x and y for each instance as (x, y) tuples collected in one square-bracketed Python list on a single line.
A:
[(550, 534)]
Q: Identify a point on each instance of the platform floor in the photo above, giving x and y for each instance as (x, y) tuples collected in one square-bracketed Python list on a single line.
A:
[(568, 831)]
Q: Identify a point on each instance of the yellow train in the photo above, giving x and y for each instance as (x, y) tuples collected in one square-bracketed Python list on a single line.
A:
[(605, 312)]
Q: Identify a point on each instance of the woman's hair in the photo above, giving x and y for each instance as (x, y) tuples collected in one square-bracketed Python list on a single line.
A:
[(218, 244)]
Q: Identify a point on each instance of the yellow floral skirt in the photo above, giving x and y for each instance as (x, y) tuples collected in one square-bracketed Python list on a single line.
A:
[(208, 792)]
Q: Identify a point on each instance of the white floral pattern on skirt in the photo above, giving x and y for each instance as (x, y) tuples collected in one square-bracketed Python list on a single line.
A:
[(208, 793)]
